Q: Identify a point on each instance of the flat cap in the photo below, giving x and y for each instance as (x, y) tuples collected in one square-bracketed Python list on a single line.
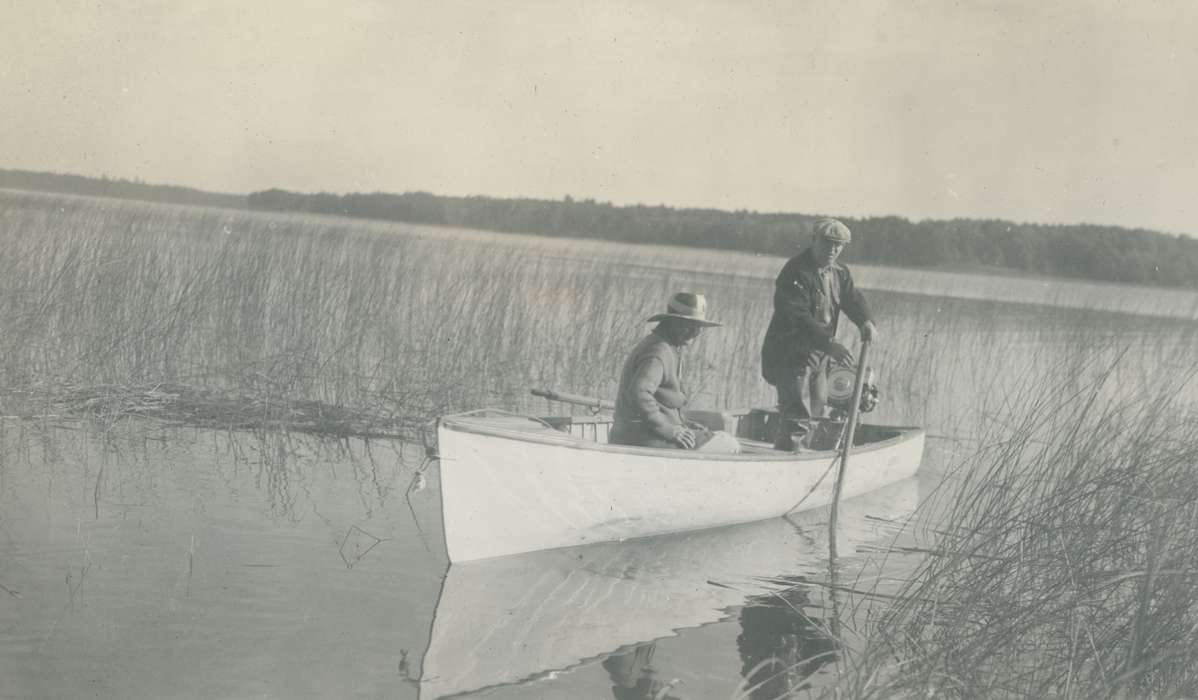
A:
[(833, 230)]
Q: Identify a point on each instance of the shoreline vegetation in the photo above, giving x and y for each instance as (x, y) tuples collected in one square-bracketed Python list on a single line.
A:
[(1063, 568), (1074, 251), (1064, 559)]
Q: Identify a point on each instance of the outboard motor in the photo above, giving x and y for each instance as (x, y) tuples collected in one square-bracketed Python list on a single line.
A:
[(841, 381)]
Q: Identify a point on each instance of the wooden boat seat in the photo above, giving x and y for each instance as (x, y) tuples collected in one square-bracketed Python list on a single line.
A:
[(758, 447)]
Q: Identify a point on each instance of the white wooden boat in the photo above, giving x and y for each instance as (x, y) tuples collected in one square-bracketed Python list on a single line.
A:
[(518, 619), (512, 483)]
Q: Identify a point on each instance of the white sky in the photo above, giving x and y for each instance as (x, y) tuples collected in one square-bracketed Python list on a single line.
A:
[(1034, 111)]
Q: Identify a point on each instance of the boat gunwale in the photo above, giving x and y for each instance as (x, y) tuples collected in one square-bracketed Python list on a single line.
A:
[(555, 438)]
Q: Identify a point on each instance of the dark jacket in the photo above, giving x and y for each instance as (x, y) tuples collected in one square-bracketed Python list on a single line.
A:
[(796, 329), (650, 398)]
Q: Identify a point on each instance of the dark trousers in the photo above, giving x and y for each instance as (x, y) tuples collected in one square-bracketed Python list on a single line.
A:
[(802, 395)]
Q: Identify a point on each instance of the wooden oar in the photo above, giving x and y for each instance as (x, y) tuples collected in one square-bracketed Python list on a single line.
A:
[(576, 399), (849, 428)]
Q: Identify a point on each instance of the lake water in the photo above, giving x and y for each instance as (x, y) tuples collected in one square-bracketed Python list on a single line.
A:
[(139, 560), (146, 562)]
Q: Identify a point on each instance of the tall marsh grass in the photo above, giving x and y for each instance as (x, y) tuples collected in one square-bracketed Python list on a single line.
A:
[(272, 320), (268, 319), (1064, 562)]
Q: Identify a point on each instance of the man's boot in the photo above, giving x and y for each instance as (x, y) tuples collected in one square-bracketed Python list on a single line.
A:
[(792, 435)]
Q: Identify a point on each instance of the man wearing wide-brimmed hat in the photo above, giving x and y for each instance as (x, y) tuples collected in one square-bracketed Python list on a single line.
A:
[(809, 294), (651, 397)]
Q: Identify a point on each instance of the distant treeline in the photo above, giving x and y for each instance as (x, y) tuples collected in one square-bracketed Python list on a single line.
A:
[(1105, 253), (108, 187)]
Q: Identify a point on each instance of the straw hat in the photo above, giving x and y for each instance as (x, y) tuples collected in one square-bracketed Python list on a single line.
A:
[(686, 306)]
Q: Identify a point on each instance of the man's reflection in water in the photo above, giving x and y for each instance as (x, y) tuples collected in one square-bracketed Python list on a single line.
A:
[(779, 645), (633, 676)]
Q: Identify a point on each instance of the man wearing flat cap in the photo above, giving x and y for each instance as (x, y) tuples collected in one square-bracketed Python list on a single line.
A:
[(650, 400), (809, 294)]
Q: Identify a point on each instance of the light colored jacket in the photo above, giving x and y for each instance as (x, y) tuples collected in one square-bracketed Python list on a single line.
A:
[(650, 399)]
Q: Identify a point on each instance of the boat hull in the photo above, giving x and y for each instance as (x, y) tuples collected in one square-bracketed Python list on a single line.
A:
[(513, 619), (513, 486)]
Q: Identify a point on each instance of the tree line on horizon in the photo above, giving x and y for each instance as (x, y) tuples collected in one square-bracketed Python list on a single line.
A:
[(116, 187), (1082, 251)]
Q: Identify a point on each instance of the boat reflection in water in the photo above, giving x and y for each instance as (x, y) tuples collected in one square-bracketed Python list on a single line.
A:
[(780, 647), (519, 619)]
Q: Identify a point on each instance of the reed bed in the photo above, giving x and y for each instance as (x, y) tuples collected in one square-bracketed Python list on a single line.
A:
[(1064, 563), (113, 308)]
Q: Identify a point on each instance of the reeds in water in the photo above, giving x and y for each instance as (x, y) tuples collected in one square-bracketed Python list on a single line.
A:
[(125, 308), (1064, 562)]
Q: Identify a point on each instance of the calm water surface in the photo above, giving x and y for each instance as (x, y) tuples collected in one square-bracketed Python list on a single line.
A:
[(144, 561)]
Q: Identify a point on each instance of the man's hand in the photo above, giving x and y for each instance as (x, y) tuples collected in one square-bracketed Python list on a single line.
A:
[(684, 437), (869, 332), (840, 354)]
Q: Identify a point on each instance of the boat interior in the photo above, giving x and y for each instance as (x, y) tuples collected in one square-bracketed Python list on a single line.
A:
[(754, 429)]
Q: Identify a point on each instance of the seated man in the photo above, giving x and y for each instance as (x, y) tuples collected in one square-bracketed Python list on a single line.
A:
[(651, 398)]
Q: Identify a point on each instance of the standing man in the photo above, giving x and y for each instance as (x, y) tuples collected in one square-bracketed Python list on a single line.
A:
[(650, 399), (809, 294)]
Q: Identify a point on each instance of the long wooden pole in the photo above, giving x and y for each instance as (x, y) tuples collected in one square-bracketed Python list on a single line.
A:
[(849, 429), (576, 399)]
